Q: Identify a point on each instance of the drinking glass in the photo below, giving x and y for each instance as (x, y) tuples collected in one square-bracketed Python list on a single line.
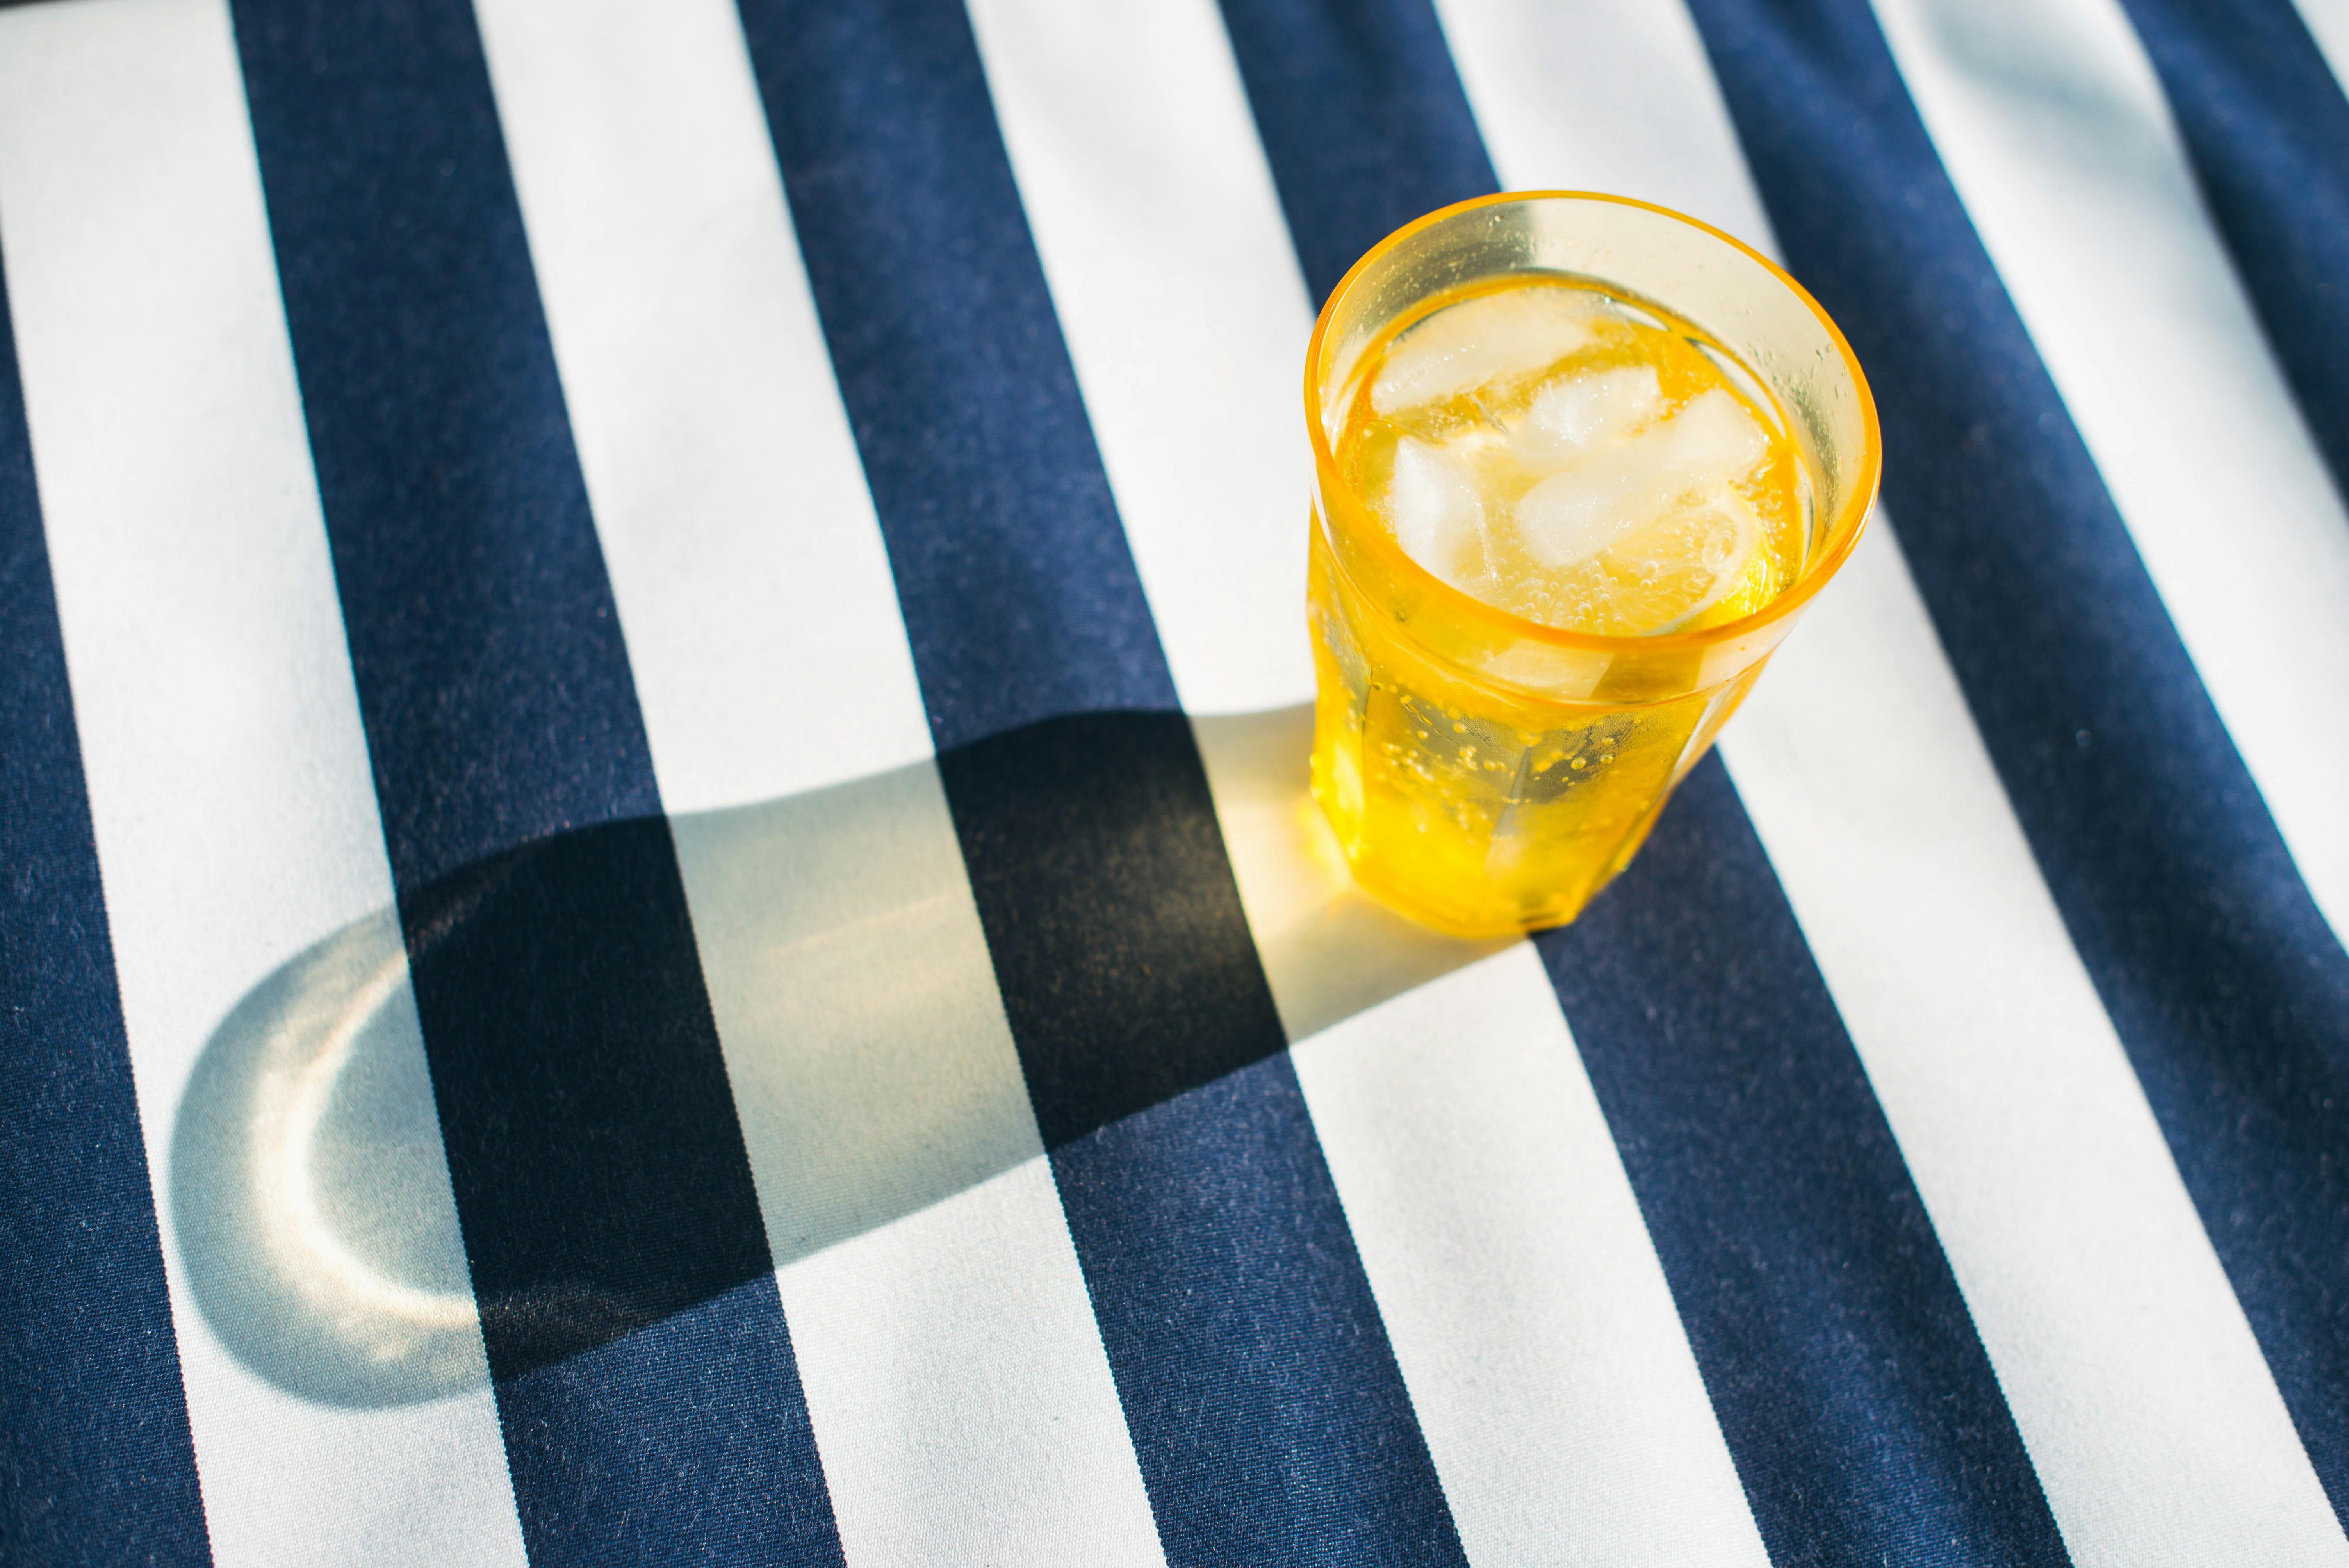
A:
[(1487, 773)]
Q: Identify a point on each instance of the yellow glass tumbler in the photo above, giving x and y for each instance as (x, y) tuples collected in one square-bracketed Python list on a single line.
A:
[(1487, 773)]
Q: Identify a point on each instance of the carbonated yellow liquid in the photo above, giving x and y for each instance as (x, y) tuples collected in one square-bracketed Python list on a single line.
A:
[(1582, 460)]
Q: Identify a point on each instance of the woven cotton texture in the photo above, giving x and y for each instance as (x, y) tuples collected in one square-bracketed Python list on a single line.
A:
[(657, 902)]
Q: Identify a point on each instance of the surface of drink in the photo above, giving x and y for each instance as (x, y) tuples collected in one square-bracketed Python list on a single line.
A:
[(1585, 462)]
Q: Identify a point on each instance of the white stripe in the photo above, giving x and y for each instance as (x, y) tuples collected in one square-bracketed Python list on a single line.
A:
[(961, 1399), (1526, 1306), (2053, 127), (1617, 99), (1178, 293), (2328, 22), (234, 812), (762, 624), (1514, 1275), (2150, 1416)]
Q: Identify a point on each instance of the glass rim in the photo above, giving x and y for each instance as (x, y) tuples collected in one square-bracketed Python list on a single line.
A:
[(1844, 531)]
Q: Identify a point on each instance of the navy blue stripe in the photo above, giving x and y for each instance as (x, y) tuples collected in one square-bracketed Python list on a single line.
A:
[(1267, 1411), (1362, 118), (1843, 1364), (1021, 599), (1368, 87), (2266, 127), (2228, 990), (645, 1379), (1858, 1402), (96, 1463)]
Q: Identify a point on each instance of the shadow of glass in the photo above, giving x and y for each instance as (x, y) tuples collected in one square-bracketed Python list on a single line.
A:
[(309, 1192), (871, 1066), (873, 1070)]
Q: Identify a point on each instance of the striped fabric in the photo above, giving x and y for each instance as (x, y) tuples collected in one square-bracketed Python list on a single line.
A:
[(656, 900)]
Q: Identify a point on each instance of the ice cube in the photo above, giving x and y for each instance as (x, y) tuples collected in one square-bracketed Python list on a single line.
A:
[(1574, 413), (1579, 511), (1610, 491), (1715, 434), (1437, 517), (1497, 336)]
